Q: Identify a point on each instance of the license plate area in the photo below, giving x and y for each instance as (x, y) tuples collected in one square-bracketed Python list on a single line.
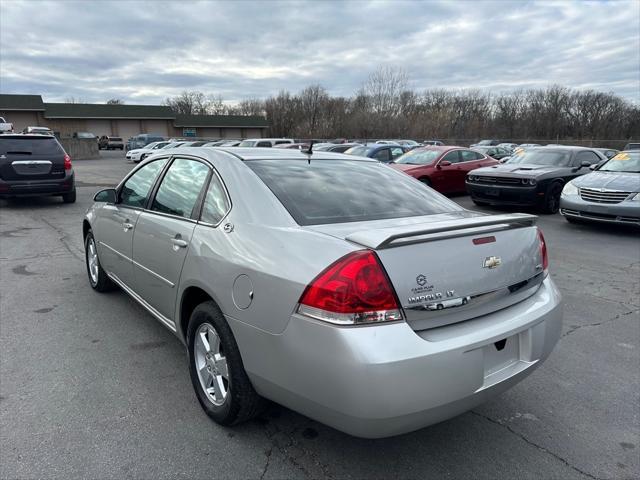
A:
[(492, 192), (501, 355), (31, 167)]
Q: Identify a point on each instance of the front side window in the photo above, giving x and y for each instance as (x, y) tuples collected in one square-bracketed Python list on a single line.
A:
[(331, 191), (216, 204), (451, 157), (180, 188), (263, 144), (136, 189), (586, 157)]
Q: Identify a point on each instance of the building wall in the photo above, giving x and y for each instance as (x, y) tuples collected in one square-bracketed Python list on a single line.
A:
[(122, 128), (99, 127), (221, 132), (21, 120)]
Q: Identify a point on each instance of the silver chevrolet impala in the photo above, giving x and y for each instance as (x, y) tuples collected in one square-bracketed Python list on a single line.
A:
[(331, 284)]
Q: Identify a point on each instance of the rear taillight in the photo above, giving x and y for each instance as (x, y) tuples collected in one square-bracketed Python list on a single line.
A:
[(67, 162), (353, 290), (543, 252)]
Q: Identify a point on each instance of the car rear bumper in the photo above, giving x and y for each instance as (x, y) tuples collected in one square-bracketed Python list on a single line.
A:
[(623, 213), (505, 195), (387, 380), (30, 188)]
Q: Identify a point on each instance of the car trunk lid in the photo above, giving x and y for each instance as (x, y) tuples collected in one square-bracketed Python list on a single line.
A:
[(452, 268)]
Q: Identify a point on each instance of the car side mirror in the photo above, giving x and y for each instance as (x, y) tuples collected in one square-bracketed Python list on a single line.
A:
[(585, 164), (444, 163), (107, 195), (504, 159), (593, 167)]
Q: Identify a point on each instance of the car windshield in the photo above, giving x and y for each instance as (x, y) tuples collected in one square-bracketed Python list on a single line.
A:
[(541, 156), (115, 139), (623, 162), (30, 146), (331, 191), (419, 157), (247, 143), (159, 145), (484, 142)]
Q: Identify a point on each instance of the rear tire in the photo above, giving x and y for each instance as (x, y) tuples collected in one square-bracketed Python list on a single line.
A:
[(426, 181), (98, 278), (552, 198), (233, 400), (69, 197)]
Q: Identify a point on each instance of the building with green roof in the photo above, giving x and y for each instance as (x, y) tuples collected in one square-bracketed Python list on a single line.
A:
[(124, 120)]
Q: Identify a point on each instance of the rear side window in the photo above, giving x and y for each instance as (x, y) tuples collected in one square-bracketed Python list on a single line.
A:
[(470, 155), (180, 188), (136, 189), (216, 203), (30, 146), (339, 191), (382, 155)]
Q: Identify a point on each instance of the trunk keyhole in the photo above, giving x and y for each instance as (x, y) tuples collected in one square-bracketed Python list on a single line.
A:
[(500, 344)]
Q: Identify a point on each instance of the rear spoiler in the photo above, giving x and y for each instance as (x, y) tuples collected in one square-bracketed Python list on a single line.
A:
[(396, 236)]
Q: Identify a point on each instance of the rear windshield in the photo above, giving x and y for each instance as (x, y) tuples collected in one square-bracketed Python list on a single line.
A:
[(541, 156), (339, 191), (30, 146), (115, 139)]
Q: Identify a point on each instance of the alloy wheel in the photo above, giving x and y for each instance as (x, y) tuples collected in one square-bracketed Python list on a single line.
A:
[(211, 364)]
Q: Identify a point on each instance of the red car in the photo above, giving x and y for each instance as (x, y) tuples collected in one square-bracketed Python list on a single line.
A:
[(443, 168)]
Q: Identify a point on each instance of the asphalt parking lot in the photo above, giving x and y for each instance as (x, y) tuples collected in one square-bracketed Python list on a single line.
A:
[(91, 386)]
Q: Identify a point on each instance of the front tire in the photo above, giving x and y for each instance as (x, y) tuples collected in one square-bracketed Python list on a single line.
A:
[(217, 372), (98, 278), (552, 199)]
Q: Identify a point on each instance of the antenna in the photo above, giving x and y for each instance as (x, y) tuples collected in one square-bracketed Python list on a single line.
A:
[(309, 152)]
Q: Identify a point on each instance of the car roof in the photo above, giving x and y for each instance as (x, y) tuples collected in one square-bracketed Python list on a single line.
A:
[(25, 135), (564, 147), (440, 148), (256, 153)]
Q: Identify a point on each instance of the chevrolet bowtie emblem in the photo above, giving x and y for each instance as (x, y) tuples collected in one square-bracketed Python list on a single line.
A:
[(492, 262)]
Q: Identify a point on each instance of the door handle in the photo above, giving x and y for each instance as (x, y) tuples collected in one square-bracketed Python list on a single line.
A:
[(126, 226), (178, 243)]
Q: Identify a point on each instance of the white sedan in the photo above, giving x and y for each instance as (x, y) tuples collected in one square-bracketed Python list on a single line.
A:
[(139, 154)]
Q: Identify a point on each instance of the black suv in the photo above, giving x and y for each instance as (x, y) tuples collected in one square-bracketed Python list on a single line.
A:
[(34, 165)]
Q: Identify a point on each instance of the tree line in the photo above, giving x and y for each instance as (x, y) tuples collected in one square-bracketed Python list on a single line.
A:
[(384, 107)]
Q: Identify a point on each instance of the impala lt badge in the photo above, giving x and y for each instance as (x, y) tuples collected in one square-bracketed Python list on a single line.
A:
[(492, 262)]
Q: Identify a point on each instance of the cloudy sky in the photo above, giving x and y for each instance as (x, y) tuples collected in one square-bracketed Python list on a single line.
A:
[(143, 52)]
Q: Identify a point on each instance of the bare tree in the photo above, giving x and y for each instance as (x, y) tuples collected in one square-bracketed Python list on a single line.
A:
[(188, 103)]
